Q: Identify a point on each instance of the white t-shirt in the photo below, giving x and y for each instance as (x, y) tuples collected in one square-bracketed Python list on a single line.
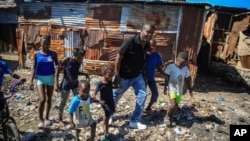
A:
[(81, 110), (177, 78)]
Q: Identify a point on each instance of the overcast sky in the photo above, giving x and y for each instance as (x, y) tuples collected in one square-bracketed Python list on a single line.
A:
[(226, 3)]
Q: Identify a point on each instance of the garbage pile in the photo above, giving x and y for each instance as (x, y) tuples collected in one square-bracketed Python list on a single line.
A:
[(205, 118)]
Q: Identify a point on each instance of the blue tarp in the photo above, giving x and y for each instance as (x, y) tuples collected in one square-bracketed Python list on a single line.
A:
[(225, 3)]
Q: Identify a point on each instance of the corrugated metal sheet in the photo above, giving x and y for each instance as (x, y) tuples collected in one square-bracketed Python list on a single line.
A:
[(133, 16), (34, 13), (94, 39), (6, 4), (72, 39), (112, 17), (58, 13), (68, 14), (104, 16), (108, 24), (191, 32), (165, 43), (8, 16)]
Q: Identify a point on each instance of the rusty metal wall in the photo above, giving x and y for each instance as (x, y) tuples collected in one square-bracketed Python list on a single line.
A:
[(109, 24), (57, 13), (68, 14), (220, 30), (191, 32), (34, 13), (134, 15), (103, 16), (72, 40)]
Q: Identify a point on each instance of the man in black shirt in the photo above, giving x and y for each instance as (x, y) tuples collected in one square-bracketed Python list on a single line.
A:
[(129, 71)]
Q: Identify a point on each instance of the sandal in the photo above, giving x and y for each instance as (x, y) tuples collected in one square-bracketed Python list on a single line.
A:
[(40, 125), (47, 123)]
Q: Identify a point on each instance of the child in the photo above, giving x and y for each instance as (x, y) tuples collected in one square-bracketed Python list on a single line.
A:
[(153, 62), (177, 74), (106, 96), (70, 66), (45, 62), (79, 106)]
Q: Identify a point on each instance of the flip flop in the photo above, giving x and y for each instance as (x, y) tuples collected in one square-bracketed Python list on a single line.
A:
[(47, 123), (40, 125)]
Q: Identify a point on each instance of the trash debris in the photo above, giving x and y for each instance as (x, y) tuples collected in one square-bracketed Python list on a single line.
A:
[(231, 108), (19, 96), (194, 120), (177, 132), (28, 136), (219, 99)]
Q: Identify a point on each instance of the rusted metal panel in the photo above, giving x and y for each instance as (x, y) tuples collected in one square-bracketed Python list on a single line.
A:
[(95, 39), (95, 66), (218, 41), (68, 14), (103, 16), (57, 43), (113, 39), (20, 47), (109, 54), (165, 45), (34, 13), (58, 13), (134, 15), (92, 53), (190, 32), (8, 16)]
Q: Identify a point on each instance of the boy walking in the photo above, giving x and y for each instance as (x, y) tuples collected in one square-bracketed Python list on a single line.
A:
[(79, 110), (153, 62), (70, 67), (178, 73), (105, 87)]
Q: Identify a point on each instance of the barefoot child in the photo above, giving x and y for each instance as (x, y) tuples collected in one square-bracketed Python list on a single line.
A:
[(70, 67), (153, 62), (106, 96), (177, 74), (79, 110)]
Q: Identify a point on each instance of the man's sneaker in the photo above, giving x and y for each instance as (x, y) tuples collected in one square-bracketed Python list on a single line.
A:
[(110, 120), (137, 125)]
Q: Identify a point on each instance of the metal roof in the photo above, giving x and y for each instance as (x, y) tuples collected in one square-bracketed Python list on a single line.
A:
[(6, 4), (225, 3)]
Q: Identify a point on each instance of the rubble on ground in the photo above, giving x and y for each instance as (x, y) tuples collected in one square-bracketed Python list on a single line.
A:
[(205, 118)]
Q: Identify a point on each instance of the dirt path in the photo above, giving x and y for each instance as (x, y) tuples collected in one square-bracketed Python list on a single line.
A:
[(217, 104)]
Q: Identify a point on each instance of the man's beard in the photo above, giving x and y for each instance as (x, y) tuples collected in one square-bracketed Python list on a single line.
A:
[(146, 39)]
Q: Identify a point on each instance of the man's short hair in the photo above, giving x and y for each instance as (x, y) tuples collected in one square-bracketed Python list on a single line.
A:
[(152, 27), (183, 56)]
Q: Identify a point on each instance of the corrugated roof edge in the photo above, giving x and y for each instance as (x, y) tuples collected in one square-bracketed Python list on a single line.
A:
[(156, 2), (6, 4)]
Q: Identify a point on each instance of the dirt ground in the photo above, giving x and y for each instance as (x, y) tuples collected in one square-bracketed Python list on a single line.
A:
[(217, 105)]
